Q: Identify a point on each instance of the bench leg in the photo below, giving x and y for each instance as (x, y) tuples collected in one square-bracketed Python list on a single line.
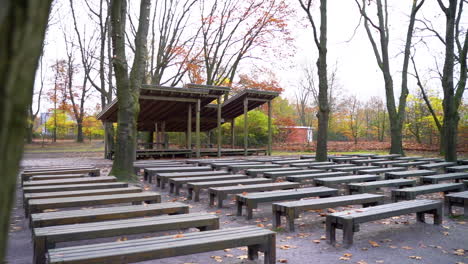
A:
[(189, 193), (449, 208), (330, 231), (348, 233), (163, 183), (197, 194), (239, 207), (171, 187), (276, 218), (252, 252), (465, 207), (270, 250), (212, 198), (420, 217), (220, 201), (290, 215), (177, 189), (438, 213), (39, 250)]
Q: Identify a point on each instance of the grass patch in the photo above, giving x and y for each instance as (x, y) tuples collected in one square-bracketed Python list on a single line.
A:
[(457, 217)]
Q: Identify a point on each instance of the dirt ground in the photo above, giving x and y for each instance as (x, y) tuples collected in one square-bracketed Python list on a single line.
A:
[(394, 240)]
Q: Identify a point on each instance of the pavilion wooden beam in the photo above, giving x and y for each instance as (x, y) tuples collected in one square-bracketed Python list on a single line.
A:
[(189, 127), (219, 126), (197, 128), (233, 138), (269, 129), (167, 98), (246, 129)]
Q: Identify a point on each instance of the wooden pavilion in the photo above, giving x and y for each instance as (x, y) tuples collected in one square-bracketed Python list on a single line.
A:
[(193, 108)]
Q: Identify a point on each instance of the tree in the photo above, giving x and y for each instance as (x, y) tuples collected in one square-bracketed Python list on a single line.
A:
[(354, 118), (320, 40), (128, 84), (22, 28), (34, 112), (396, 113)]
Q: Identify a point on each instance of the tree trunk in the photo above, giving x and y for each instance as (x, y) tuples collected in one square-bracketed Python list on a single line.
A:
[(22, 29), (109, 139), (128, 87), (29, 133), (79, 133), (396, 137)]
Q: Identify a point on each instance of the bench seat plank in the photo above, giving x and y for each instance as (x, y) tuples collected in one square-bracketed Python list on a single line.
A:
[(57, 177), (237, 168), (277, 174), (100, 179), (385, 163), (163, 178), (308, 177), (92, 171), (362, 162), (257, 239), (387, 156), (363, 187), (221, 193), (291, 210), (411, 173), (409, 158), (345, 179), (256, 172), (46, 237), (331, 166), (354, 169), (411, 192), (196, 187), (149, 173), (225, 165), (461, 168), (381, 170), (37, 205), (176, 183), (310, 164), (251, 200), (410, 164), (437, 165), (457, 199), (349, 220), (106, 213), (74, 187), (457, 176)]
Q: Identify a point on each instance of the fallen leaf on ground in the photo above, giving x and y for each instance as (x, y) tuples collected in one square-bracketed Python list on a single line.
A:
[(178, 236), (316, 241), (415, 257), (374, 244), (286, 247), (282, 260), (242, 257), (407, 248)]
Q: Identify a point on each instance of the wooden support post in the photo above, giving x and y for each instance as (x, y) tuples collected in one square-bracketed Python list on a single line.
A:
[(269, 129), (219, 126), (189, 127), (156, 133), (233, 139), (163, 135), (246, 129), (197, 127)]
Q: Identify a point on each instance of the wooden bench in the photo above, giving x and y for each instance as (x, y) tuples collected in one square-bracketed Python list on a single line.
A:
[(457, 176), (385, 163), (221, 193), (176, 183), (135, 250), (308, 177), (381, 170), (354, 169), (225, 165), (151, 172), (331, 166), (142, 166), (47, 195), (409, 158), (457, 199), (37, 205), (307, 156), (411, 192), (45, 238), (411, 173), (361, 162), (364, 187), (57, 177), (291, 210), (251, 200), (106, 213), (210, 162), (164, 178), (277, 174), (53, 168), (431, 159), (387, 156), (345, 159), (461, 168), (310, 164), (364, 155), (287, 162), (74, 187), (436, 166), (196, 187), (410, 164), (349, 221), (256, 172), (237, 168), (92, 171), (345, 179), (87, 180)]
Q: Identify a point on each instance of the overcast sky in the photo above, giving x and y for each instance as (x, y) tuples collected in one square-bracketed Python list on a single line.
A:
[(350, 53)]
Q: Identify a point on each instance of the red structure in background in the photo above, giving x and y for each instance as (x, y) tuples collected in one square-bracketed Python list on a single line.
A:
[(297, 134)]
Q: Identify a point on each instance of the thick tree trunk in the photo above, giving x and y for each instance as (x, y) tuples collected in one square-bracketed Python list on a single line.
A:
[(79, 133), (29, 133), (22, 29), (396, 136), (450, 128)]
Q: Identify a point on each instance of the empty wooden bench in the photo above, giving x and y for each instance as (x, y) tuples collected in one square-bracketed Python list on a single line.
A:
[(411, 173), (92, 171), (310, 164), (431, 159), (56, 177), (364, 187), (151, 172), (163, 178), (45, 238), (139, 167), (331, 166), (409, 158), (234, 168), (251, 200), (345, 179), (291, 161), (387, 156), (457, 199), (101, 179), (106, 213), (37, 205), (196, 187), (291, 210), (277, 174), (309, 177), (257, 172), (460, 168), (411, 192), (221, 193), (53, 168), (410, 164), (225, 165), (176, 183), (345, 159), (349, 221), (255, 238), (361, 162), (457, 176), (385, 163), (47, 195), (74, 187), (381, 170), (354, 169), (436, 166)]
